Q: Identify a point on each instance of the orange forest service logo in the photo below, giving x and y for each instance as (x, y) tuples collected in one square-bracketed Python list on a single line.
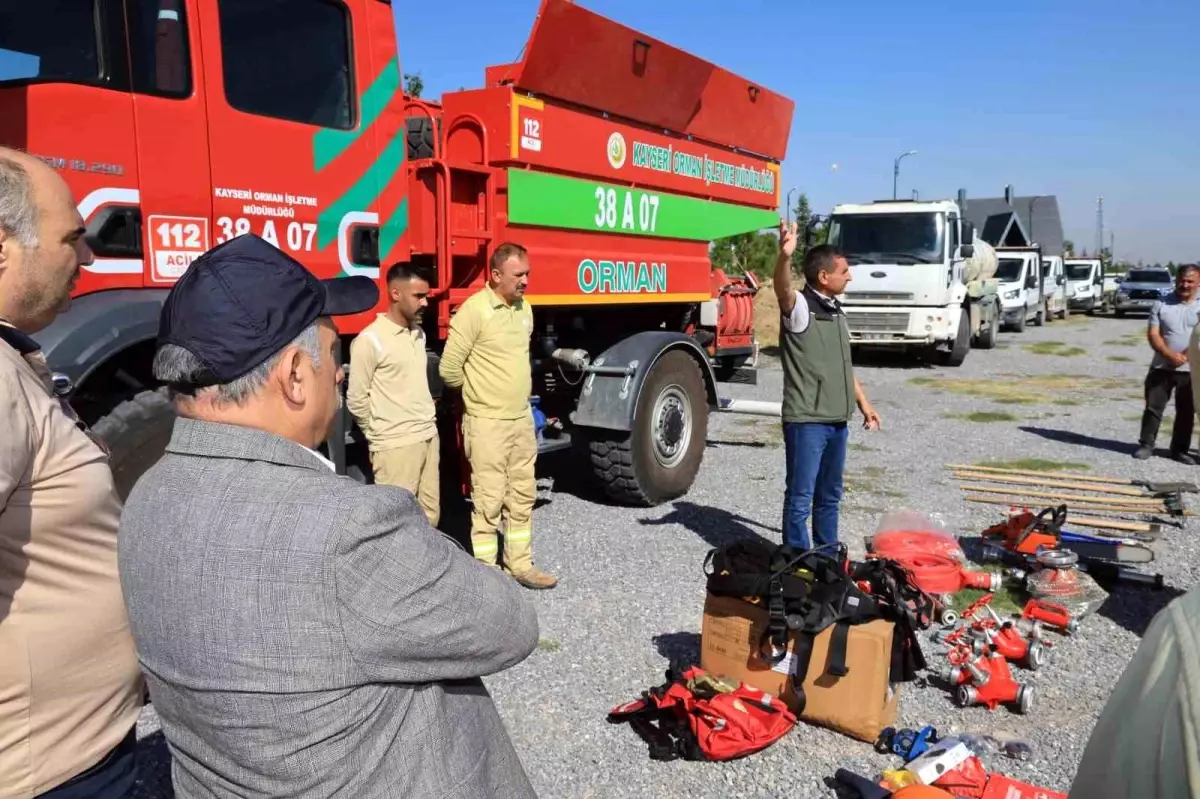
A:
[(616, 150)]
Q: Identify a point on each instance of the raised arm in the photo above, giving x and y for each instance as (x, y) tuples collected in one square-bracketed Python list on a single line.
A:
[(784, 293), (415, 607)]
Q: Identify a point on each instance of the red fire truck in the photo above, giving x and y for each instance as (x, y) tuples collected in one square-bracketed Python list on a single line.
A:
[(612, 156)]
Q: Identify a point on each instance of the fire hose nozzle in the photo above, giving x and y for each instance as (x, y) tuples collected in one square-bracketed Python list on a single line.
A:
[(978, 675), (576, 358)]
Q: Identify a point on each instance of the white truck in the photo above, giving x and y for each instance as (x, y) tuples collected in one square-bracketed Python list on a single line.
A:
[(921, 279), (1086, 289), (1019, 270), (1054, 282)]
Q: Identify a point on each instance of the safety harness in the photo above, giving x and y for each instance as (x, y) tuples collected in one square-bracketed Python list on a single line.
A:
[(806, 592), (695, 716)]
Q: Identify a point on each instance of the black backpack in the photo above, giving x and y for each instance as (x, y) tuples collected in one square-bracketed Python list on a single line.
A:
[(805, 592)]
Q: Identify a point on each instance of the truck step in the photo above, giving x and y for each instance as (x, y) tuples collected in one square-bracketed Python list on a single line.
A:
[(559, 442)]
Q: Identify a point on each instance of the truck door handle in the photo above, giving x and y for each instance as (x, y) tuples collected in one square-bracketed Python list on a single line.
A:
[(364, 245), (115, 232)]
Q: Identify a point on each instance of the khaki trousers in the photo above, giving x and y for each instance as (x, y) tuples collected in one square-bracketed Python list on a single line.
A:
[(415, 468), (502, 453)]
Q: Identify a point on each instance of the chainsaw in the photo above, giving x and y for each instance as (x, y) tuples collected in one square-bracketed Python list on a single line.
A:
[(1028, 534)]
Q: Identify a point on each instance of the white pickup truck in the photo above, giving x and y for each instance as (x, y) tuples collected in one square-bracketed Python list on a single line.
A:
[(1054, 283), (1019, 271), (1086, 285)]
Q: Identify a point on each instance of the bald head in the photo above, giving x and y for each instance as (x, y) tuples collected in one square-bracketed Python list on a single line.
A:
[(41, 242)]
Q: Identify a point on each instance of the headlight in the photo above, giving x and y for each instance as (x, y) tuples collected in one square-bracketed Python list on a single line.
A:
[(1012, 295)]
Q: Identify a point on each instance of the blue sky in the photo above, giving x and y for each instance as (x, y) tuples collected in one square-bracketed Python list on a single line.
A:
[(1077, 98)]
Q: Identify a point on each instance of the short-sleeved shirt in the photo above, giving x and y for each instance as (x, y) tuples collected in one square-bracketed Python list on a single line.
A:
[(389, 386), (797, 321), (1175, 321), (70, 686)]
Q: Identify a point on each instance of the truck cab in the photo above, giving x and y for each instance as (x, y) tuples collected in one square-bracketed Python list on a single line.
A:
[(910, 284), (1019, 271), (1085, 284), (1055, 282)]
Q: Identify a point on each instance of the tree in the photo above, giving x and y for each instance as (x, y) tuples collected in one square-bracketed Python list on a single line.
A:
[(746, 252), (413, 85), (817, 232), (1069, 248)]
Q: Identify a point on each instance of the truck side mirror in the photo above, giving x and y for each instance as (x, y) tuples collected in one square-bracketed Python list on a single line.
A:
[(968, 237), (1031, 282), (967, 250), (1061, 280), (1098, 280)]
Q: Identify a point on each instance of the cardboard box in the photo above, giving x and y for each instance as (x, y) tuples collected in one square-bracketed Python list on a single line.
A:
[(859, 704)]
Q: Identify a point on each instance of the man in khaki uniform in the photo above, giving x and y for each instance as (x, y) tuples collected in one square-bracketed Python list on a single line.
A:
[(70, 686), (487, 357), (389, 392)]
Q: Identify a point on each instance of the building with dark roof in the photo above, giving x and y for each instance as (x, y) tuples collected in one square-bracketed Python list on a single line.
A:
[(1029, 220)]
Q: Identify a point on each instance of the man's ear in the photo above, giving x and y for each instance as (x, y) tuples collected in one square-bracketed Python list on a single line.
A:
[(6, 245), (289, 377)]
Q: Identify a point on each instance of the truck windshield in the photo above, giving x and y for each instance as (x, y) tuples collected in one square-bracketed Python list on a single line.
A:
[(1009, 269), (52, 40), (889, 238), (1079, 271), (1147, 276)]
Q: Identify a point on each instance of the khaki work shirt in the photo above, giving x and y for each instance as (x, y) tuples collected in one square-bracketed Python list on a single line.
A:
[(487, 355), (70, 684), (389, 386)]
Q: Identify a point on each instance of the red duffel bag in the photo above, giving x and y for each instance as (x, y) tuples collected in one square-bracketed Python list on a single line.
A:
[(698, 717)]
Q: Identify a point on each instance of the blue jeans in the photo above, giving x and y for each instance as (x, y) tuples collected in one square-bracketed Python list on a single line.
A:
[(816, 457)]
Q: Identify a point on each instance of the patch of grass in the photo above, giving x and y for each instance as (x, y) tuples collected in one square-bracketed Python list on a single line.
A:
[(1035, 465), (1024, 389), (747, 422), (1044, 347), (1067, 402), (1120, 359), (982, 417), (1054, 348), (1015, 401), (548, 645), (856, 447), (1122, 342), (1007, 600)]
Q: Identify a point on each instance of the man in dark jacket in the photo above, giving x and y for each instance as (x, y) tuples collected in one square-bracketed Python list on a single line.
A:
[(819, 387), (303, 635)]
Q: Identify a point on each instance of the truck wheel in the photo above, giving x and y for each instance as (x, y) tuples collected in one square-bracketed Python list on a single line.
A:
[(1021, 322), (1040, 319), (986, 340), (962, 344), (136, 432), (658, 460)]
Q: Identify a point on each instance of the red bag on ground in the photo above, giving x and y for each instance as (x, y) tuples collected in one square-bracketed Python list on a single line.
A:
[(697, 717)]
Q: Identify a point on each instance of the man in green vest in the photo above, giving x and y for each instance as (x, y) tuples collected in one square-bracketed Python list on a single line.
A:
[(818, 388)]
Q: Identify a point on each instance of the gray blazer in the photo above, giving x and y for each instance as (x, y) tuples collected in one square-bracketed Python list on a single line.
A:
[(304, 635)]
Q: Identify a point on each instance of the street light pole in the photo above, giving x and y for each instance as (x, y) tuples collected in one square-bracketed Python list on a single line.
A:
[(896, 170)]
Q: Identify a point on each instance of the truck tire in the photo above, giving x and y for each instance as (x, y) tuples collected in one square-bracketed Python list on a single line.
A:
[(962, 344), (986, 340), (1021, 322), (1040, 319), (658, 460), (136, 432)]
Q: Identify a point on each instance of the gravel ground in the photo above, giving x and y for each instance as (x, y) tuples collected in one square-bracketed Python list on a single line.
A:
[(632, 589)]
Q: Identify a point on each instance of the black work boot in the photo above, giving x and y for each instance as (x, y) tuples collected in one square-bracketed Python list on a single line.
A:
[(1143, 452)]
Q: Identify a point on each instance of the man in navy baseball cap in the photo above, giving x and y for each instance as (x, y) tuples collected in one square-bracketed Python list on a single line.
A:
[(246, 335)]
